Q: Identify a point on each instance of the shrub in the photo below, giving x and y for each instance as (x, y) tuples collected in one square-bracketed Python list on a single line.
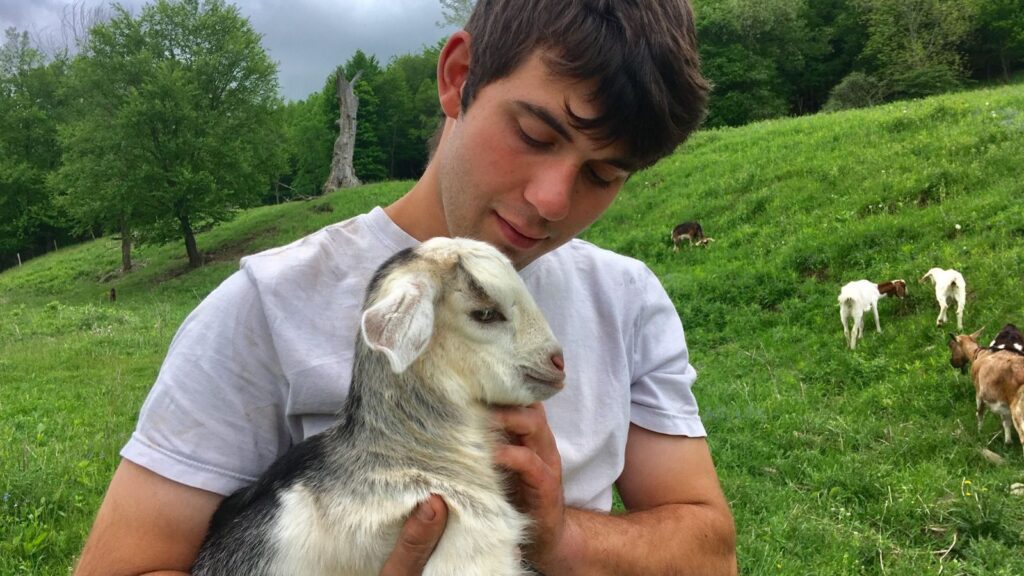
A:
[(857, 90)]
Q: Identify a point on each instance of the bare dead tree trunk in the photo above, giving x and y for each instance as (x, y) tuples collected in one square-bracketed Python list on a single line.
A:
[(343, 175)]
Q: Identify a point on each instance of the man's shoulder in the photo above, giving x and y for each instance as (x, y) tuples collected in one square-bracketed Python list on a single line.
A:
[(352, 247)]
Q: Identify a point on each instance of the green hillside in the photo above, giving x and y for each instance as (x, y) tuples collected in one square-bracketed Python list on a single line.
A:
[(835, 461)]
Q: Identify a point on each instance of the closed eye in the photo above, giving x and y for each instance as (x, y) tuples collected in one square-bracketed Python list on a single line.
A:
[(596, 178), (531, 141), (487, 316)]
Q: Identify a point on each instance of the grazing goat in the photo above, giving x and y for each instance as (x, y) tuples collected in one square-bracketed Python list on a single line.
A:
[(948, 283), (858, 297), (447, 329), (692, 232), (998, 378)]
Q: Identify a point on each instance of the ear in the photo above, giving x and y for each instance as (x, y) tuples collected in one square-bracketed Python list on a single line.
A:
[(976, 334), (952, 338), (401, 322), (452, 70)]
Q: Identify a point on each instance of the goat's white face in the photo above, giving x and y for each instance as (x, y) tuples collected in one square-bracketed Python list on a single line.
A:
[(458, 312)]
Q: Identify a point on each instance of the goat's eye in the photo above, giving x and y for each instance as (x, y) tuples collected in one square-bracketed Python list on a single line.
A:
[(487, 316)]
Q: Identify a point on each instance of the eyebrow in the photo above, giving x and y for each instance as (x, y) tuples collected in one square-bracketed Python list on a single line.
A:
[(555, 124)]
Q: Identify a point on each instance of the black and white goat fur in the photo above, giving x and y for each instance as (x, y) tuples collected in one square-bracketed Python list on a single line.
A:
[(447, 329)]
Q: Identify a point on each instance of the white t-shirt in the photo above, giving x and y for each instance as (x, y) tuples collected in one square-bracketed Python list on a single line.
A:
[(266, 360)]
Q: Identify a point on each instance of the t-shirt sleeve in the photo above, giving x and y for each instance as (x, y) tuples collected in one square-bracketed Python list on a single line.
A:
[(215, 417), (661, 395)]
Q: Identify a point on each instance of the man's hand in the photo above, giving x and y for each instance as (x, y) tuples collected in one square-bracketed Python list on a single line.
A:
[(532, 456), (418, 538)]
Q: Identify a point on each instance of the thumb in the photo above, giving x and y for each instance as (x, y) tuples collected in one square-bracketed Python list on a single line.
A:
[(418, 538)]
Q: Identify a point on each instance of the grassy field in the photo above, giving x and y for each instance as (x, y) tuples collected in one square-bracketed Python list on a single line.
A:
[(835, 461)]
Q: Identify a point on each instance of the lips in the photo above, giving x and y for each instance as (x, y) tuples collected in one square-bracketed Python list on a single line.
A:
[(515, 237), (557, 384)]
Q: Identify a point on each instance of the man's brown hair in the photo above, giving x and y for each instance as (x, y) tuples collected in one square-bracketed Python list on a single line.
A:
[(642, 54)]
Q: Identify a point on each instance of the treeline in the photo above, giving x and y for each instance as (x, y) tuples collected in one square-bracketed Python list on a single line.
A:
[(166, 123), (771, 58), (398, 113)]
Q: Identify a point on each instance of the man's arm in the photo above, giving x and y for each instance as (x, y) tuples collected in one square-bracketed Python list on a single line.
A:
[(678, 520), (147, 524), (153, 526)]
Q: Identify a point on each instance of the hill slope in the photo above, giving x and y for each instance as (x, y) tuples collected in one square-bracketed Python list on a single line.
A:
[(836, 461)]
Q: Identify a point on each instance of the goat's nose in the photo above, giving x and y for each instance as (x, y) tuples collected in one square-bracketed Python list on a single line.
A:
[(558, 360)]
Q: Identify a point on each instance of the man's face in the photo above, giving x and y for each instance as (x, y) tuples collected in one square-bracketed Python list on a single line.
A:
[(514, 172)]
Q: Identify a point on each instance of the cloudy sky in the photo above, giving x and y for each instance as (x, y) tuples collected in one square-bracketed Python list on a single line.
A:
[(307, 38)]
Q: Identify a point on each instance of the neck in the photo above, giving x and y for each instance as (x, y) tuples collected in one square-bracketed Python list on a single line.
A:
[(888, 289), (419, 212), (405, 410), (969, 347)]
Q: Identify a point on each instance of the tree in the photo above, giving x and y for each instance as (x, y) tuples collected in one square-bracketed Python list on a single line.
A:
[(915, 45), (368, 158), (343, 174), (178, 122), (310, 142), (755, 53), (996, 47), (410, 84), (456, 12), (30, 110)]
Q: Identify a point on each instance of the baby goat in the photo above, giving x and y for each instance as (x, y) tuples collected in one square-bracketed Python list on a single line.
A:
[(998, 377), (692, 232), (858, 297), (948, 283), (448, 328)]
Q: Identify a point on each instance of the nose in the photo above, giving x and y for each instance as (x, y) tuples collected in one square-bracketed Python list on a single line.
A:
[(550, 192), (558, 360)]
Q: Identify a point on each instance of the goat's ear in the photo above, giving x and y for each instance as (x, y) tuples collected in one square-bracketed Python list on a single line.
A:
[(975, 335), (952, 338), (401, 322)]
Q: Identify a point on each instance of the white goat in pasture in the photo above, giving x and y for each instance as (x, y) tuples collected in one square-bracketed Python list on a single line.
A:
[(858, 297), (448, 328), (948, 283)]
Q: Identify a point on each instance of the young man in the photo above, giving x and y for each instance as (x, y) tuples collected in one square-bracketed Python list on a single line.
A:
[(550, 105)]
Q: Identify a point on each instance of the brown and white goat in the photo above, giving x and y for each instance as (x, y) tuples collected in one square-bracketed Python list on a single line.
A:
[(998, 377), (692, 231), (859, 296)]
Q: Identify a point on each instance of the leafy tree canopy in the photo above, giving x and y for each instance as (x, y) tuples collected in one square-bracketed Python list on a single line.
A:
[(178, 122)]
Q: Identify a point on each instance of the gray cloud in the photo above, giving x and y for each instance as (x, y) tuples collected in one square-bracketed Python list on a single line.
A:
[(307, 38)]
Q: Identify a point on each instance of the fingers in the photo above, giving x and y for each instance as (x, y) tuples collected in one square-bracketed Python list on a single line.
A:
[(417, 539), (532, 456), (528, 426), (533, 471)]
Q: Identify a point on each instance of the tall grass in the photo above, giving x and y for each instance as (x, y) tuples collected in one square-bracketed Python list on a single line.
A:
[(835, 461)]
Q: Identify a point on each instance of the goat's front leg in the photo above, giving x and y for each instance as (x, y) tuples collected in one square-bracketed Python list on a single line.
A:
[(979, 411), (878, 325)]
